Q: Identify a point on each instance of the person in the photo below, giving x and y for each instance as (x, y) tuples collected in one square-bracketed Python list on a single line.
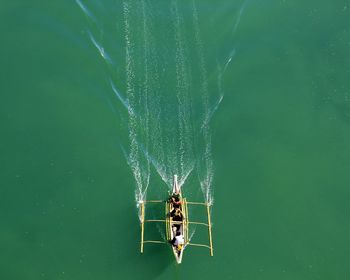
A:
[(175, 201), (179, 240), (176, 214), (175, 229)]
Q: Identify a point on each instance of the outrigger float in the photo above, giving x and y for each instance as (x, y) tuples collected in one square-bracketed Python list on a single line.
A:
[(176, 222)]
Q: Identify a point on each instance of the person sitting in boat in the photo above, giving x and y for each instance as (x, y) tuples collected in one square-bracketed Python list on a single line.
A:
[(175, 229), (176, 214), (173, 197), (179, 240), (175, 200)]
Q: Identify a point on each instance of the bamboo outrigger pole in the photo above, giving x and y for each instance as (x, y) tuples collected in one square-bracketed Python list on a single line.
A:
[(209, 230), (196, 203), (142, 224)]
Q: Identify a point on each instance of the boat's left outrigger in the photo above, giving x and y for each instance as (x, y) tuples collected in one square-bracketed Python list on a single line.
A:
[(177, 222)]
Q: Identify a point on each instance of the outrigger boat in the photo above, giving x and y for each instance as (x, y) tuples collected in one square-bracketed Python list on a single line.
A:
[(176, 222)]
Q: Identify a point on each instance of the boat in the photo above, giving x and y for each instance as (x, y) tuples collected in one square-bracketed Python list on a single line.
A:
[(176, 228), (176, 222)]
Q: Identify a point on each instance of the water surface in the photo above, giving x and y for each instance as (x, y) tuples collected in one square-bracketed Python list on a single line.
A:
[(279, 138)]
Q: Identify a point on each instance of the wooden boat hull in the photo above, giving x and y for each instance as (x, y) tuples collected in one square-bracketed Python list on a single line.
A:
[(182, 228)]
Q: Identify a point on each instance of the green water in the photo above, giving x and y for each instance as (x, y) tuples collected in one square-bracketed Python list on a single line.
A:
[(280, 137)]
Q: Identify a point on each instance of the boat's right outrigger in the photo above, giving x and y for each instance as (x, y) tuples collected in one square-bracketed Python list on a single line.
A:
[(177, 223)]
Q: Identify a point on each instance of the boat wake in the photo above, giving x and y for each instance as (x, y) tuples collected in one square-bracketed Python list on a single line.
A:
[(168, 98)]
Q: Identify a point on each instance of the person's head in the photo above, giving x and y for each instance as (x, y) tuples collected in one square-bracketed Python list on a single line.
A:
[(176, 199)]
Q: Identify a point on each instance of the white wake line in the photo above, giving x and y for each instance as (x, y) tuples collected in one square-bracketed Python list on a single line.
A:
[(86, 11), (238, 20), (101, 50), (140, 175), (120, 97), (160, 170), (183, 179), (140, 191), (241, 10), (181, 87), (157, 166), (212, 111), (231, 56)]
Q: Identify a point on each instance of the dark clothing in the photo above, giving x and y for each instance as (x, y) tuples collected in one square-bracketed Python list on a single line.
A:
[(174, 198), (175, 202), (176, 205), (176, 217)]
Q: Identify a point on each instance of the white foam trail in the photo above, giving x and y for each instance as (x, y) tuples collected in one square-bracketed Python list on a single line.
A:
[(207, 180), (138, 164), (183, 76), (98, 46), (150, 95), (231, 56), (120, 97), (85, 10), (185, 176), (155, 137), (205, 164), (200, 51), (180, 76), (133, 157), (206, 177), (238, 20), (101, 50), (212, 111), (145, 119), (161, 169)]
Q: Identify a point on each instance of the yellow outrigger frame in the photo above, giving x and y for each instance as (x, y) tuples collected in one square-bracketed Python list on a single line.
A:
[(186, 222)]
